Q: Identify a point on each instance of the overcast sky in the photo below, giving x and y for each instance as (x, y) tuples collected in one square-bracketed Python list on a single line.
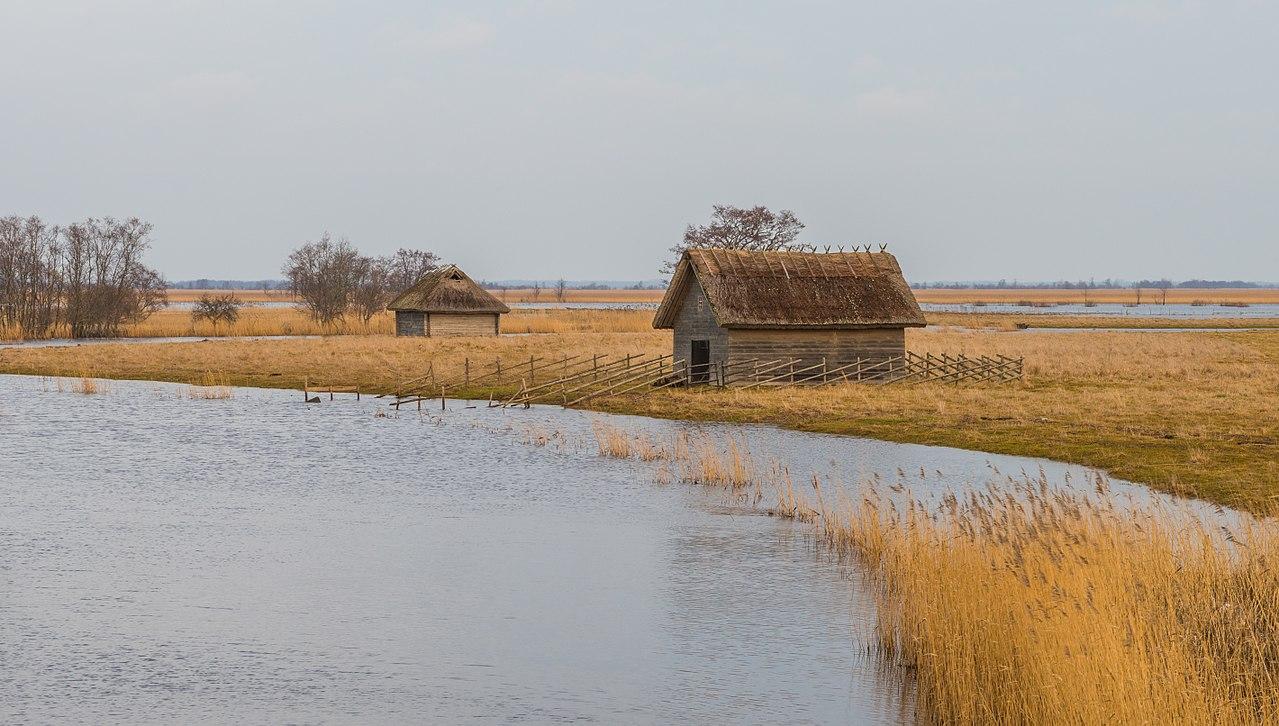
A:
[(558, 138)]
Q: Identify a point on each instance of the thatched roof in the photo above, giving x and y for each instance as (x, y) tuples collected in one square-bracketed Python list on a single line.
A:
[(447, 290), (795, 290)]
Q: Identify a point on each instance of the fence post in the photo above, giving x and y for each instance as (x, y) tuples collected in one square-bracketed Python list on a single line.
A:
[(466, 371)]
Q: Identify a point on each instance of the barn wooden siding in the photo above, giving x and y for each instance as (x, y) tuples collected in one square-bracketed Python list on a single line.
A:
[(445, 325), (448, 325), (408, 322), (837, 347), (695, 321)]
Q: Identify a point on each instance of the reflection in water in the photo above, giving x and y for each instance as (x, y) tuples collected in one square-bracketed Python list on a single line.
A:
[(168, 559)]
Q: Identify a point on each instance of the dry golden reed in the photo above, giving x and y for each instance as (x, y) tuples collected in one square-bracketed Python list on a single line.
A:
[(1023, 602), (210, 387)]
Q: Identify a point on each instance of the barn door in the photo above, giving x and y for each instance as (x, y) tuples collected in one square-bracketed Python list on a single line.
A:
[(699, 361)]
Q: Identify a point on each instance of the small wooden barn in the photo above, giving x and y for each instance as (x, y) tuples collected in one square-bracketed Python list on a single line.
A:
[(446, 302), (732, 305)]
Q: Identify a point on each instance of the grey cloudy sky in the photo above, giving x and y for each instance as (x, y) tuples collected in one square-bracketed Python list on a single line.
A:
[(558, 138)]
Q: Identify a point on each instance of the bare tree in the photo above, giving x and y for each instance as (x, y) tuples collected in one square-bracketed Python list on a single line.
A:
[(1136, 287), (323, 276), (735, 228), (561, 290), (217, 309), (88, 276), (374, 286), (30, 282), (105, 284), (407, 266), (536, 289), (1163, 286), (332, 279)]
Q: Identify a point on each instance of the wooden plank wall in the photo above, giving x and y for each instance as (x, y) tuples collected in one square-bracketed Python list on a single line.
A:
[(838, 347), (446, 325), (695, 321), (410, 323)]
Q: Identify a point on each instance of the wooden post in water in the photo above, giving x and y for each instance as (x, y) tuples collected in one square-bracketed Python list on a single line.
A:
[(441, 398)]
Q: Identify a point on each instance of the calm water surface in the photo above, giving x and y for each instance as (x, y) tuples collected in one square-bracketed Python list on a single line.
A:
[(1174, 310), (261, 560)]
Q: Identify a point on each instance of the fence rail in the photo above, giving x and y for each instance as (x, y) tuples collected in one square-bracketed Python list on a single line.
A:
[(570, 380)]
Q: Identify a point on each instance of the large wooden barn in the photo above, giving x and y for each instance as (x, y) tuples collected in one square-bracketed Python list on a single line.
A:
[(732, 305), (446, 302)]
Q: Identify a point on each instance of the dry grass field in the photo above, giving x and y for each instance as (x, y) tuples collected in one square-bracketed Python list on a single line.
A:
[(511, 295), (1023, 602), (258, 321), (1194, 413), (275, 321)]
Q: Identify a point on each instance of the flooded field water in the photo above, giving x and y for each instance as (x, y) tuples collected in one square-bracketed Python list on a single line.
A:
[(1172, 310), (259, 559)]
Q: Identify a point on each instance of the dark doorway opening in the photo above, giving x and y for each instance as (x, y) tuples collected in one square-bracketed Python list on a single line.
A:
[(699, 362)]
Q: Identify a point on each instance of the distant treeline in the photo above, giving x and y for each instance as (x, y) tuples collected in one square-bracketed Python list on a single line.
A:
[(1107, 284)]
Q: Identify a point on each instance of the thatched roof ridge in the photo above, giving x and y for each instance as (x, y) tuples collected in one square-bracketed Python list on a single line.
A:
[(795, 289), (447, 290)]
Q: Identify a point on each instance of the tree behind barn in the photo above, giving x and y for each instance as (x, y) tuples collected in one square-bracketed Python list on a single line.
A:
[(331, 279), (734, 228), (324, 276)]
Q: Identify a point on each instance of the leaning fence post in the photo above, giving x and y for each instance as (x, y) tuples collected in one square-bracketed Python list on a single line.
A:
[(466, 371)]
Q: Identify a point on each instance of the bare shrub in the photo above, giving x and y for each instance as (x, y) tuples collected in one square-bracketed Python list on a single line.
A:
[(224, 309)]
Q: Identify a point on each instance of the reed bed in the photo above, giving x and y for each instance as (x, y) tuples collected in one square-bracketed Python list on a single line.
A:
[(1025, 602)]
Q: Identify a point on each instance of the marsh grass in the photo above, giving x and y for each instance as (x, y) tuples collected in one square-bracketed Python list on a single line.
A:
[(1025, 602), (210, 387), (86, 385)]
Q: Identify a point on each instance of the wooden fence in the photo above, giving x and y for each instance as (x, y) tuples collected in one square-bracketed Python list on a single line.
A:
[(570, 380)]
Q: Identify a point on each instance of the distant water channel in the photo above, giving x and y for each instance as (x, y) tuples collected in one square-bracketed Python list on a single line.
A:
[(169, 559), (1185, 311)]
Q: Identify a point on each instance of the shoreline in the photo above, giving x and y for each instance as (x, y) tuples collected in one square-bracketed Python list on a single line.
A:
[(1095, 400)]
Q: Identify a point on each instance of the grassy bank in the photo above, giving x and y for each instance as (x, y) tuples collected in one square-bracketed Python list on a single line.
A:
[(1193, 413)]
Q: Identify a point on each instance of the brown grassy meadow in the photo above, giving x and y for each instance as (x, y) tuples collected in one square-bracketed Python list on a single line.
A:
[(1149, 296), (511, 295)]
